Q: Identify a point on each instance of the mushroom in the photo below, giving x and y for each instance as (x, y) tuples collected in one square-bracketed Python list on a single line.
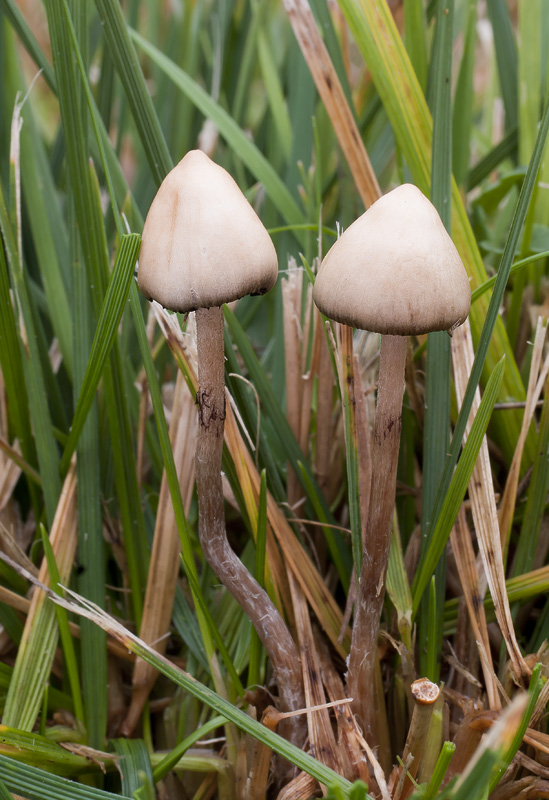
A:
[(203, 245), (394, 271)]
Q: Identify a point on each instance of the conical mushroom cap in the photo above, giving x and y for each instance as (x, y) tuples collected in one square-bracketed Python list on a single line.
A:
[(203, 244), (395, 270)]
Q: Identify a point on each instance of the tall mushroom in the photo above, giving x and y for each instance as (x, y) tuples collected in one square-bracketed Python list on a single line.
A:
[(394, 271), (203, 245)]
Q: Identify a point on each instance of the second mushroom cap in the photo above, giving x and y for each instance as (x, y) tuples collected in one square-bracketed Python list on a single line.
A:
[(395, 270)]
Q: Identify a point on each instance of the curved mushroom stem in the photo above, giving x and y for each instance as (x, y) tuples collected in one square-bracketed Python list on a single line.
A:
[(255, 602), (375, 556)]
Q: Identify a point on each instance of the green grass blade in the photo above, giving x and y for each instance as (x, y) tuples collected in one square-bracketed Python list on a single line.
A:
[(529, 75), (506, 56), (107, 326), (233, 134), (130, 73), (28, 40), (169, 762), (64, 630), (91, 546), (414, 37), (46, 447), (458, 486), (537, 494), (436, 433), (464, 98), (135, 764), (37, 784)]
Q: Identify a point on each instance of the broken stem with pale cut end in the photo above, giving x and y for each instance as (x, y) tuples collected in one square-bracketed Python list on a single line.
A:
[(254, 601), (375, 556)]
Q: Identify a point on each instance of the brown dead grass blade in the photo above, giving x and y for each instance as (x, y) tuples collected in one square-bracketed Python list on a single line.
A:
[(291, 285), (329, 87), (483, 504), (164, 566), (507, 508), (321, 736), (468, 575)]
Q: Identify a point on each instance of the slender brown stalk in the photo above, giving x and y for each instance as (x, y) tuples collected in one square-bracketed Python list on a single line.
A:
[(360, 677), (255, 602)]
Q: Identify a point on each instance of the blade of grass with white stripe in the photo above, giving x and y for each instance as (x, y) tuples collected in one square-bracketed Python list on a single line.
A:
[(458, 486), (378, 39), (37, 784), (43, 211)]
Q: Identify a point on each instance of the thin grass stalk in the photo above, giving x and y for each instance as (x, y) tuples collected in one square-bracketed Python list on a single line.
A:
[(436, 430)]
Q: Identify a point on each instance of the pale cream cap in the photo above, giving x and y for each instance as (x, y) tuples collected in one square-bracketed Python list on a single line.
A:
[(395, 270), (203, 244)]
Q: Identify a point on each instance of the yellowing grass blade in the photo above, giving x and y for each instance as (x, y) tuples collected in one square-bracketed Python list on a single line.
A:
[(37, 649)]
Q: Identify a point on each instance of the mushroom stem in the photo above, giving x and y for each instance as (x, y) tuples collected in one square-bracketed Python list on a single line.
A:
[(371, 590), (254, 601)]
